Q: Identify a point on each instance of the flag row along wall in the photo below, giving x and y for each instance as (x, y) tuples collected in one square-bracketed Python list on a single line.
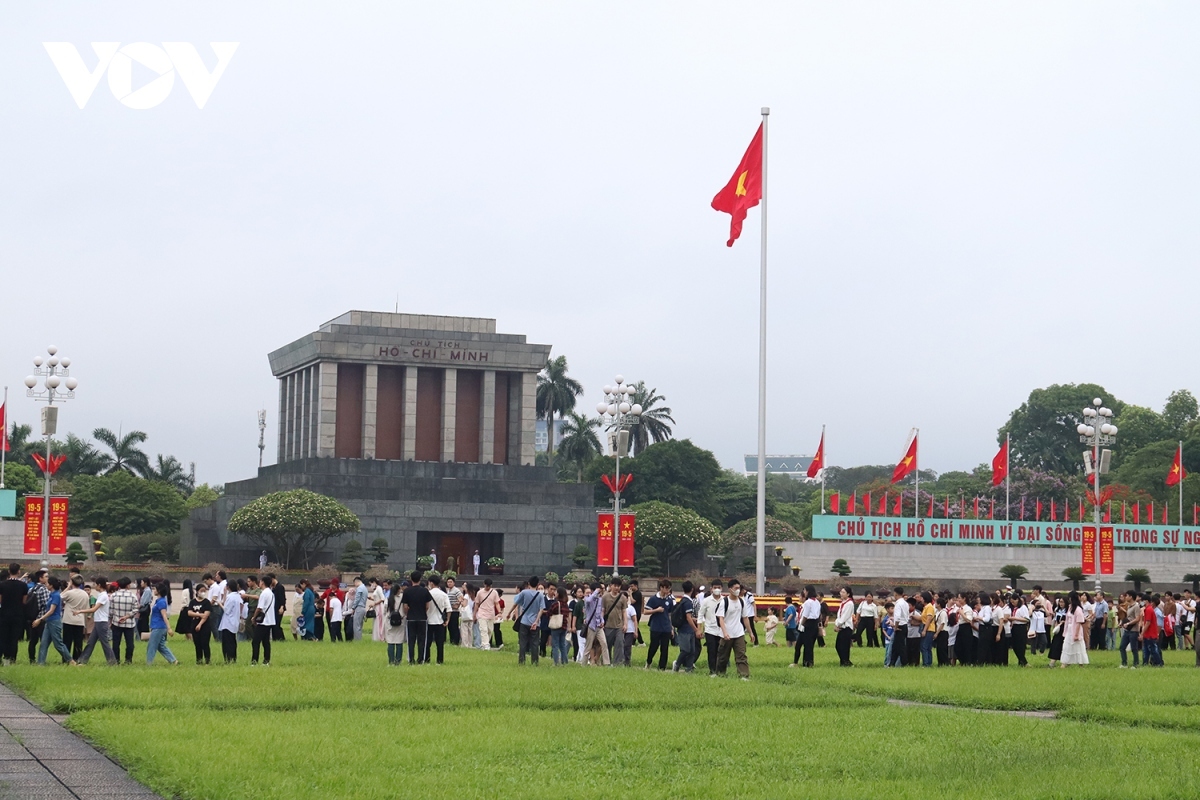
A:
[(988, 532)]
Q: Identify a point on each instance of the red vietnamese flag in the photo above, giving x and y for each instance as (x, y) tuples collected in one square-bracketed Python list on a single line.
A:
[(898, 505), (818, 462), (1124, 506), (908, 464), (852, 503), (930, 514), (1177, 472), (1150, 513), (1108, 513), (3, 430), (867, 504), (835, 502), (744, 189), (1053, 510), (1038, 510), (1164, 522), (1137, 513), (992, 509), (883, 505), (975, 510), (1000, 465), (1081, 509), (947, 507)]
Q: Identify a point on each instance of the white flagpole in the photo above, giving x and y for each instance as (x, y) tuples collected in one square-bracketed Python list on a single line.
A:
[(1180, 489), (917, 475), (4, 439), (823, 461), (760, 537), (1007, 475)]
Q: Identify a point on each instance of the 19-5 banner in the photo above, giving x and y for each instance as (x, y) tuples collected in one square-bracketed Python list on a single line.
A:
[(604, 540), (33, 525), (1089, 550), (59, 509), (1106, 551), (625, 545)]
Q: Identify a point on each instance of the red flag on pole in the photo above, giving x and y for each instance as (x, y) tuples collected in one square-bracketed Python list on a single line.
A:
[(1164, 522), (1150, 513), (947, 508), (1124, 505), (1037, 514), (898, 505), (992, 509), (1177, 472), (4, 431), (835, 502), (930, 514), (1195, 514), (1000, 465), (883, 505), (975, 511), (1137, 513), (818, 462), (1053, 510), (744, 189), (852, 503), (908, 464), (867, 504)]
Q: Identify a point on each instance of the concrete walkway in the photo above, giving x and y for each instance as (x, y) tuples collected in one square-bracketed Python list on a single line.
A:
[(39, 758)]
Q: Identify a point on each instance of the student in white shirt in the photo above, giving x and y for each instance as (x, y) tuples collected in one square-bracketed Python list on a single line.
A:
[(334, 611), (231, 620), (810, 623), (1018, 621), (631, 623), (100, 631), (867, 614), (712, 629), (844, 626), (732, 618), (264, 624), (900, 614)]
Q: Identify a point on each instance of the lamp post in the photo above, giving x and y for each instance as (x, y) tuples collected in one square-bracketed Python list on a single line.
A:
[(1097, 431), (57, 385), (617, 412)]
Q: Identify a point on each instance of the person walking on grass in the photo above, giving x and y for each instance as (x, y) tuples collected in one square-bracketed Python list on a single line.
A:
[(711, 625), (615, 603), (527, 611), (1130, 616), (595, 643), (74, 600), (123, 615), (769, 627), (487, 610), (1074, 642), (810, 623), (683, 619), (160, 625), (867, 612), (36, 602), (466, 617), (559, 620), (888, 627), (231, 619), (280, 592), (264, 624), (50, 625), (845, 625), (733, 621), (439, 611), (791, 620), (416, 600), (200, 613), (394, 636), (1151, 655), (308, 609), (99, 612), (12, 613)]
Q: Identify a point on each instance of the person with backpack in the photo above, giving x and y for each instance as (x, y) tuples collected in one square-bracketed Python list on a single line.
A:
[(660, 608), (687, 632), (394, 634), (527, 612), (614, 605)]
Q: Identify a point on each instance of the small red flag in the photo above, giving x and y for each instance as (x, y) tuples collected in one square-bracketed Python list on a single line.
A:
[(1053, 510), (947, 508), (1137, 513), (1195, 514), (898, 505), (1038, 510), (975, 511), (930, 514), (1164, 522), (908, 464), (3, 430), (992, 509), (818, 462), (1124, 505), (867, 504), (1177, 472), (852, 503), (1081, 509), (744, 189), (835, 502), (1000, 465), (1150, 513), (883, 505)]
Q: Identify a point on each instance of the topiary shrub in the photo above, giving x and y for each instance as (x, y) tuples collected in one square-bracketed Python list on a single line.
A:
[(552, 577)]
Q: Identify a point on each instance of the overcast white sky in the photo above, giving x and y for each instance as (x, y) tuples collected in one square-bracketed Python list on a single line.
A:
[(957, 191)]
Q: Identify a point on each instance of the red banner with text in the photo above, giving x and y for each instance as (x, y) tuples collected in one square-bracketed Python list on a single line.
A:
[(1106, 551), (625, 546), (59, 508), (33, 525), (604, 540), (1089, 550)]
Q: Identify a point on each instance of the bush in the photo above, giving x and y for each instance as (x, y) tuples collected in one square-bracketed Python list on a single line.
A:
[(154, 552), (381, 572), (75, 553), (380, 550), (790, 584), (495, 561), (353, 558), (130, 549), (212, 568), (582, 556), (324, 572), (552, 577), (697, 578), (745, 533), (424, 562), (647, 563)]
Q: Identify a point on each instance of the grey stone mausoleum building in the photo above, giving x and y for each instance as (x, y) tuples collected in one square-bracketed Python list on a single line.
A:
[(424, 427)]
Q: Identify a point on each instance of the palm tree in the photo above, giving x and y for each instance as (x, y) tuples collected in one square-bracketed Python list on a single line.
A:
[(126, 455), (556, 393), (1074, 575), (1138, 577), (580, 442), (168, 470), (82, 457), (1194, 579), (653, 423), (1014, 573), (20, 447)]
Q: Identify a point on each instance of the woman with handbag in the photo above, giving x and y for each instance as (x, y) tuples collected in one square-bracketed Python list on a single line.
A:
[(184, 623), (556, 620), (145, 598), (392, 613), (466, 617), (376, 607)]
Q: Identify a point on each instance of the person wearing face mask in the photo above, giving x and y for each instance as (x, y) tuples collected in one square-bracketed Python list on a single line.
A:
[(731, 616), (712, 628)]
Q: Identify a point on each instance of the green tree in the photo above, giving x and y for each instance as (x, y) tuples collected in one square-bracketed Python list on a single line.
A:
[(168, 470), (1146, 470), (1074, 575), (296, 523), (745, 534), (648, 565), (673, 530), (353, 559), (155, 552), (1139, 427), (655, 422), (1180, 411), (124, 454), (737, 496), (676, 472), (841, 567), (1138, 577), (583, 556), (1043, 427), (580, 444), (25, 481), (1014, 573), (203, 495), (123, 505), (75, 553), (379, 550), (22, 445), (82, 457), (556, 393)]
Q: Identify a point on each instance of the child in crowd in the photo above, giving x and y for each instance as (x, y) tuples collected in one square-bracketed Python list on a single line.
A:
[(770, 626)]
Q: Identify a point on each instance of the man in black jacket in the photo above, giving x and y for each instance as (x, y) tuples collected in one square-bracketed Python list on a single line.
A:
[(12, 613), (280, 593)]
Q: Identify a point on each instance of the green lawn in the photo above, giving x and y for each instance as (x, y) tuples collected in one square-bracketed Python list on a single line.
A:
[(328, 720)]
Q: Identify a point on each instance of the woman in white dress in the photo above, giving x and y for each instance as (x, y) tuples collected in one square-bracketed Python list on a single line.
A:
[(1074, 644), (466, 616), (394, 634), (377, 602)]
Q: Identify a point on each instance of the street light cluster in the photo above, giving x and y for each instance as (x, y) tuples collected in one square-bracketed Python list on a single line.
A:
[(1097, 414), (616, 400), (55, 374)]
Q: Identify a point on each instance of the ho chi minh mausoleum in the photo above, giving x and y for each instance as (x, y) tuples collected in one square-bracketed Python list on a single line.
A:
[(424, 427)]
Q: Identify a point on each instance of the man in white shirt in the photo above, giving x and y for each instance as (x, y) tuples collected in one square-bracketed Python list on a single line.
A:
[(732, 620), (264, 624), (439, 611), (712, 629), (475, 562), (217, 592), (74, 601), (900, 613), (100, 631)]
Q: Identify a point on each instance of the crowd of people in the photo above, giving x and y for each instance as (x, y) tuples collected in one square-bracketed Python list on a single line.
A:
[(590, 624)]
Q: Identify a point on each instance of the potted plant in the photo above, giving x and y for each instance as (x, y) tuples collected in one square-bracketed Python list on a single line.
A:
[(778, 551), (795, 570), (495, 565), (787, 561)]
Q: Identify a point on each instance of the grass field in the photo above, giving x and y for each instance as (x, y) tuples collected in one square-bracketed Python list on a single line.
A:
[(329, 720)]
